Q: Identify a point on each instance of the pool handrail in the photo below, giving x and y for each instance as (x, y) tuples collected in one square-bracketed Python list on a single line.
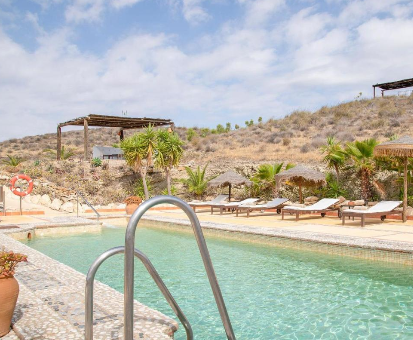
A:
[(129, 262), (155, 276)]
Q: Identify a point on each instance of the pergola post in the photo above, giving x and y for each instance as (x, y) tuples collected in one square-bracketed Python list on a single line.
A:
[(374, 91), (59, 143), (405, 190), (86, 140)]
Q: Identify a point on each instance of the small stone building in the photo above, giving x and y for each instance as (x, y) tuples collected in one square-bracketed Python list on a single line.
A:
[(107, 152)]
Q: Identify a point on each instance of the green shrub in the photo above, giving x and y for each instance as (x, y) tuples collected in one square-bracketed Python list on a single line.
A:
[(205, 132), (96, 162), (220, 128), (190, 133), (138, 188), (174, 191)]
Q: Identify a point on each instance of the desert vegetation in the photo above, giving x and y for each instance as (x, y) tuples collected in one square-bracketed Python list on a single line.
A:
[(337, 139)]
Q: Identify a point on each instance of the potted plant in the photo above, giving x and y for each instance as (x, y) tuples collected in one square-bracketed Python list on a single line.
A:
[(132, 203), (9, 288)]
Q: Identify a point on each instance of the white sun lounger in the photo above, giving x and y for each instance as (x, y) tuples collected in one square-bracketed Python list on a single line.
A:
[(216, 200), (276, 203), (381, 209), (322, 206), (232, 205)]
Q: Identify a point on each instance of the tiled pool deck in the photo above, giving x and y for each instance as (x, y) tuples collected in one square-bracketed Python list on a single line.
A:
[(51, 302), (51, 299)]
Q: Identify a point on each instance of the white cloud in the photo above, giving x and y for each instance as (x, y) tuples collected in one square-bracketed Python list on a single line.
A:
[(260, 11), (358, 10), (237, 72), (85, 10), (123, 3), (306, 26), (92, 10), (194, 12)]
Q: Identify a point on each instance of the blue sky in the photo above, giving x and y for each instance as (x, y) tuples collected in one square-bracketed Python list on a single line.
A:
[(197, 62)]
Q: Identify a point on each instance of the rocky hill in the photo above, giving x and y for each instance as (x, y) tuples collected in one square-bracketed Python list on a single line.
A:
[(295, 138)]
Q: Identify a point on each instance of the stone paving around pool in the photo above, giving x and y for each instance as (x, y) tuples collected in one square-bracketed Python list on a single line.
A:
[(51, 303)]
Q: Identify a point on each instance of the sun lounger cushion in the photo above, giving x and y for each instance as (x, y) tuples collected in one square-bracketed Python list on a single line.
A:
[(218, 199), (323, 204), (236, 204), (381, 207), (269, 205)]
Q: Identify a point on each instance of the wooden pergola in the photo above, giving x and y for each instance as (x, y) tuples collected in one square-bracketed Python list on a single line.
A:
[(123, 123), (394, 85)]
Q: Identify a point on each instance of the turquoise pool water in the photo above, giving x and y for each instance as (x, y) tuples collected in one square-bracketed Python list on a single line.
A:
[(271, 293)]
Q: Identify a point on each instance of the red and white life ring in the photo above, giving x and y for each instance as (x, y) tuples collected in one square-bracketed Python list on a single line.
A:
[(21, 193)]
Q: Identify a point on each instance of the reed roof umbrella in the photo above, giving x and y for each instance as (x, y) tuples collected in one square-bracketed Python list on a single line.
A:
[(229, 179), (402, 148), (301, 176)]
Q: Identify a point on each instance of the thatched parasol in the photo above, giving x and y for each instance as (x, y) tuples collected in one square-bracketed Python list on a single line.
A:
[(403, 148), (302, 177), (229, 179)]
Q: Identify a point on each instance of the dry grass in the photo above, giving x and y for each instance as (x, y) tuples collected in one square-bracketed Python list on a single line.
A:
[(295, 138)]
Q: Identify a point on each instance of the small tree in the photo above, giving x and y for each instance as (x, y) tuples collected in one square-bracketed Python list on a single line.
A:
[(135, 154), (168, 153), (236, 126), (228, 127), (259, 119)]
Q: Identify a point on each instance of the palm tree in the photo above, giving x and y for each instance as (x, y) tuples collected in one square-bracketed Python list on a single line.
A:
[(64, 153), (149, 141), (363, 161), (265, 176), (196, 182), (334, 155), (12, 160), (168, 153), (135, 154)]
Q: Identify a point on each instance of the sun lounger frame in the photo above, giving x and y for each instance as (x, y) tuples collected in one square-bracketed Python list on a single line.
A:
[(249, 209), (354, 213)]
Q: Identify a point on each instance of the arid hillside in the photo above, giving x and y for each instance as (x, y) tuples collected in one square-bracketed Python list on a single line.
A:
[(295, 138)]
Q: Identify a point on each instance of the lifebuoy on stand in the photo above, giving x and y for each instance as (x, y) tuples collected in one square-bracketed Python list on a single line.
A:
[(20, 193)]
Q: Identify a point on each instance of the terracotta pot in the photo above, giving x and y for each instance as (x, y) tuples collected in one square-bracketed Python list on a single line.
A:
[(130, 208), (9, 291)]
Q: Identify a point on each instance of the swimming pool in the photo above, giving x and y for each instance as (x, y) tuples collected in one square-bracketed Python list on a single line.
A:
[(270, 292)]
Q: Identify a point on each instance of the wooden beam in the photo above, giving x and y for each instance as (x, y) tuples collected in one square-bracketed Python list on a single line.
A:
[(59, 143), (86, 140)]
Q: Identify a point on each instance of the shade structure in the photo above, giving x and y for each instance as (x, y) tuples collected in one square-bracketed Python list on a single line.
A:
[(229, 178), (402, 148), (301, 176)]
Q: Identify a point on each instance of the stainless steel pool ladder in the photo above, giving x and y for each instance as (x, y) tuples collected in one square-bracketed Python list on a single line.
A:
[(130, 253)]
